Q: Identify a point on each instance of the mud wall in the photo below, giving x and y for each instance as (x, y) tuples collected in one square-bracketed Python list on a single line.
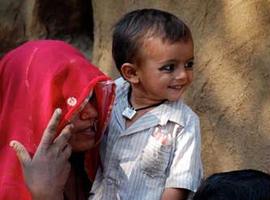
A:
[(230, 92), (69, 20)]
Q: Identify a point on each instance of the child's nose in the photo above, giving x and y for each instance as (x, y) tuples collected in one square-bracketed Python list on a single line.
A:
[(181, 74), (89, 112)]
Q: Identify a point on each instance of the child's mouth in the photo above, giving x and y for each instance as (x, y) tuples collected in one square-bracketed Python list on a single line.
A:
[(176, 87)]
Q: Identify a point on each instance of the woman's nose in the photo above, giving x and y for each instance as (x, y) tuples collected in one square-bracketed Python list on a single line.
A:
[(88, 112)]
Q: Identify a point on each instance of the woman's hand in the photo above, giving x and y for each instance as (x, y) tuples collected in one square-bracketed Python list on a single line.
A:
[(47, 172)]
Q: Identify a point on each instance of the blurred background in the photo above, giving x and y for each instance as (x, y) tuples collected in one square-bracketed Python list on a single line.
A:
[(231, 90)]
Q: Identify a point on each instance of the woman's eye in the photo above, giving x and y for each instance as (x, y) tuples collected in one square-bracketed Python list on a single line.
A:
[(167, 68), (189, 65), (93, 100)]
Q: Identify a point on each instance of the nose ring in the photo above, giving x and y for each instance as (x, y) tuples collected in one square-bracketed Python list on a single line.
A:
[(84, 115)]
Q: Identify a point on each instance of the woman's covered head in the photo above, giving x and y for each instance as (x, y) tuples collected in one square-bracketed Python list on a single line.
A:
[(40, 76)]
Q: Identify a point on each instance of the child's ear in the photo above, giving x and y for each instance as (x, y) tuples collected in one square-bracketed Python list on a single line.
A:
[(129, 72)]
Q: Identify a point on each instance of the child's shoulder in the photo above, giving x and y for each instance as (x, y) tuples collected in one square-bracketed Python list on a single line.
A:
[(182, 111), (121, 86), (181, 105)]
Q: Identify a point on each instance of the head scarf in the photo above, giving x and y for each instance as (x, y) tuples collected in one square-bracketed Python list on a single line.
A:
[(36, 78)]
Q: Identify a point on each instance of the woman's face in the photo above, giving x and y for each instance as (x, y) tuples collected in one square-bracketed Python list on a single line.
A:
[(83, 133)]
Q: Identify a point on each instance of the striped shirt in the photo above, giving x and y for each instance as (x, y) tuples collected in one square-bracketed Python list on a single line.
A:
[(140, 161)]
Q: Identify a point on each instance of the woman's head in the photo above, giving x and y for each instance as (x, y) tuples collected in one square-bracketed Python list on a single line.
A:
[(35, 79), (40, 76)]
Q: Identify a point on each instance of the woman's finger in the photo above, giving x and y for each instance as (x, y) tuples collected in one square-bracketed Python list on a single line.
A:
[(21, 152), (50, 131), (67, 152), (62, 140)]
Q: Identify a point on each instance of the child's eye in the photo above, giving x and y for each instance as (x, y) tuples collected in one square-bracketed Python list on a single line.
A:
[(189, 65), (168, 68)]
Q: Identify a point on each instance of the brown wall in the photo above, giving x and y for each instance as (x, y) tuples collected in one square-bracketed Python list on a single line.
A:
[(69, 20), (232, 74)]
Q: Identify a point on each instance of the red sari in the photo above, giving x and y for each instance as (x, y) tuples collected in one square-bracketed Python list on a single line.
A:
[(36, 78)]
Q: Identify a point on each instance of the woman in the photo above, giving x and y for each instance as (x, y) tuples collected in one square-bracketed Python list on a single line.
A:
[(35, 79)]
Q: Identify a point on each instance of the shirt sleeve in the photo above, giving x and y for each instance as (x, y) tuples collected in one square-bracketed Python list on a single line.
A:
[(186, 166)]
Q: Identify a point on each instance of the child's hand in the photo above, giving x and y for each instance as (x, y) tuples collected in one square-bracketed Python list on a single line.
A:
[(46, 173)]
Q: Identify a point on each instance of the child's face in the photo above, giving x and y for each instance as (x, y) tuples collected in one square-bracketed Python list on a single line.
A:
[(164, 69)]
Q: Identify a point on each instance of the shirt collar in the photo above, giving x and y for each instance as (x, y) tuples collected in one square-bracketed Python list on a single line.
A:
[(171, 111)]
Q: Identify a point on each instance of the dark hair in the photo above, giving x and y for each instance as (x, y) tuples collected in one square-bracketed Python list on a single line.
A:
[(235, 185), (135, 26)]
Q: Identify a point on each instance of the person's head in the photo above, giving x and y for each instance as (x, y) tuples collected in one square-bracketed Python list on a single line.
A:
[(35, 79), (40, 76), (237, 185), (153, 50)]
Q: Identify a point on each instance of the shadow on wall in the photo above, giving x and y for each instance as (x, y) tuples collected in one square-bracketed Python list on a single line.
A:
[(69, 20)]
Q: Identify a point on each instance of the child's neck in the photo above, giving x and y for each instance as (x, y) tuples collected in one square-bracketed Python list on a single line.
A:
[(141, 104), (139, 99)]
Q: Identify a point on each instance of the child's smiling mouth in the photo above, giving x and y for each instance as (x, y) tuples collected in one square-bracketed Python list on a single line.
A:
[(177, 87)]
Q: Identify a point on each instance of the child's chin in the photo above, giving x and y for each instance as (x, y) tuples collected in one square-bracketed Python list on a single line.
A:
[(175, 98)]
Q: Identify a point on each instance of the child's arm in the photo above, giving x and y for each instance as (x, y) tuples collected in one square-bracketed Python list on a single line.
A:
[(174, 194), (185, 170)]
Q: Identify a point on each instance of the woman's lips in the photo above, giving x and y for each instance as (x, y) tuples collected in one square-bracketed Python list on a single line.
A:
[(88, 131)]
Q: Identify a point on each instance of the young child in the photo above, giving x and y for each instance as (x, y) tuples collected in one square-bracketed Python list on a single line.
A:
[(247, 184), (152, 150)]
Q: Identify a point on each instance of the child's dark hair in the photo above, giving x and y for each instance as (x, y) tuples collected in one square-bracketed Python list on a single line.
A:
[(237, 185), (137, 25)]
